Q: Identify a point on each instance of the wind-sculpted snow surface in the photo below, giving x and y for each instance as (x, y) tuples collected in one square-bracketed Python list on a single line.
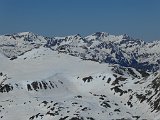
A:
[(98, 77)]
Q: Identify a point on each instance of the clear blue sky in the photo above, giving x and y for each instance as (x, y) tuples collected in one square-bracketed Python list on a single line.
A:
[(137, 18)]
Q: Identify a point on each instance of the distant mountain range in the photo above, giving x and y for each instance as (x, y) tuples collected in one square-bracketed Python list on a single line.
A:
[(100, 46)]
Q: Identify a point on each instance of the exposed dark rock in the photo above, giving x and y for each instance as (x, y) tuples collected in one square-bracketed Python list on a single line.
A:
[(85, 109), (116, 81), (64, 118), (117, 110), (141, 97), (118, 90), (76, 118), (109, 79), (29, 87), (137, 117), (88, 79), (6, 88), (90, 118), (105, 104)]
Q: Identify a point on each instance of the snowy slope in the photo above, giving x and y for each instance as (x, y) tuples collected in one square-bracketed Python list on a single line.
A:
[(76, 78), (49, 85)]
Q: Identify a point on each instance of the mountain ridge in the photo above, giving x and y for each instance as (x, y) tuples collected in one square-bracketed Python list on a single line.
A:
[(100, 47)]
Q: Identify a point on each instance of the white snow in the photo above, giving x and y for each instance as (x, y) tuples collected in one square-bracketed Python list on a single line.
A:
[(82, 87)]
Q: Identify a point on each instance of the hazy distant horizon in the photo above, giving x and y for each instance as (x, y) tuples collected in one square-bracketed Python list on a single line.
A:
[(139, 19)]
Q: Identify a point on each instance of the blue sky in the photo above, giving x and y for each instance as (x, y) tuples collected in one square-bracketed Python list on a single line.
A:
[(137, 18)]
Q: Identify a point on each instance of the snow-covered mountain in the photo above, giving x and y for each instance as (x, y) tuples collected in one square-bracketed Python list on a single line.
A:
[(98, 77), (103, 47), (17, 44), (100, 47)]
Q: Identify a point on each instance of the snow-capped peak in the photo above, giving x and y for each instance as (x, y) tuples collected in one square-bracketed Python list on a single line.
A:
[(97, 35), (24, 33), (101, 34), (106, 37)]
